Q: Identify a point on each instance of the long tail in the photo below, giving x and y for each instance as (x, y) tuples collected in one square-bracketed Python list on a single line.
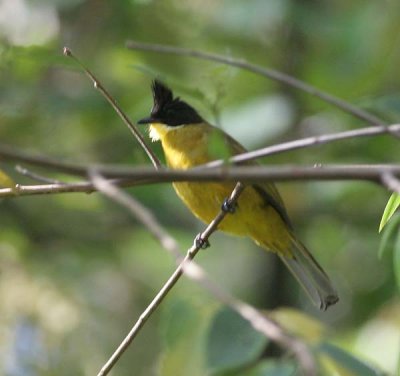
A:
[(310, 275)]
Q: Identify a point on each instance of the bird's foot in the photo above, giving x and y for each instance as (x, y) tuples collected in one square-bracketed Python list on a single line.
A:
[(228, 206), (201, 243)]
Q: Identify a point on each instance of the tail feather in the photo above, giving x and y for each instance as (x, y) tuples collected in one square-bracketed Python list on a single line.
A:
[(310, 275)]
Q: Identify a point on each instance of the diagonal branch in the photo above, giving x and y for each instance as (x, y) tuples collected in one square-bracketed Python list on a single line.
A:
[(260, 322), (97, 84), (111, 191), (266, 72), (312, 141)]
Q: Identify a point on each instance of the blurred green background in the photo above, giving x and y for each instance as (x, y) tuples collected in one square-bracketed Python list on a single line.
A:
[(76, 270)]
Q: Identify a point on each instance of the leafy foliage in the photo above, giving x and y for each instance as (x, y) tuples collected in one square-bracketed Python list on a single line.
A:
[(232, 342)]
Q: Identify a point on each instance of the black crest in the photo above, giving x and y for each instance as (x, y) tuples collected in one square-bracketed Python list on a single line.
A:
[(169, 110), (162, 96)]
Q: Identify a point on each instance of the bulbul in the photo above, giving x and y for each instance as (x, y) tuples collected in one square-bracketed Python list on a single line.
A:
[(259, 214)]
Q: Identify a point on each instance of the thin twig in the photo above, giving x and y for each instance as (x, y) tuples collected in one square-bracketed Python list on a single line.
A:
[(266, 72), (310, 142), (97, 84), (35, 176), (263, 324), (140, 176)]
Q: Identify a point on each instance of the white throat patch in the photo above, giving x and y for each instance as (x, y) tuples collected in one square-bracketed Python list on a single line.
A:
[(154, 133)]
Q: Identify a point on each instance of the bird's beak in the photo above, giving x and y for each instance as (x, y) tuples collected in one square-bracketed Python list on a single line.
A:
[(147, 120)]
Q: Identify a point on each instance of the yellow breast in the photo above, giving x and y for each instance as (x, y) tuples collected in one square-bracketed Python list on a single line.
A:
[(184, 146)]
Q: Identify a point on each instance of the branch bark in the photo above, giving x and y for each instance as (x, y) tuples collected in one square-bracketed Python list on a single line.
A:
[(8, 153), (140, 176)]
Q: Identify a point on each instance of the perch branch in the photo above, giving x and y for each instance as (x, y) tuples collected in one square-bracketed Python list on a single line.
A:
[(11, 154), (140, 176), (260, 322)]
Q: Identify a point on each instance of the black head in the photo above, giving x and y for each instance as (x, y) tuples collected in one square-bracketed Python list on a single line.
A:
[(169, 110)]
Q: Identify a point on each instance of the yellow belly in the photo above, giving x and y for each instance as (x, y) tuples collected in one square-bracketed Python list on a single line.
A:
[(252, 218)]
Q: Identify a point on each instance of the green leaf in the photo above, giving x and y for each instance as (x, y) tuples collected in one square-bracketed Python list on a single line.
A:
[(348, 362), (232, 342), (396, 259), (391, 207), (389, 236)]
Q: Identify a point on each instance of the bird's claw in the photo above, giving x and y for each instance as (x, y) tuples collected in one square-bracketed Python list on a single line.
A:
[(201, 243), (228, 206)]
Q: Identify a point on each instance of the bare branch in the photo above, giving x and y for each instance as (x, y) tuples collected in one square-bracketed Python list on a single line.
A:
[(11, 154), (140, 176), (266, 72), (260, 322), (310, 142), (97, 84)]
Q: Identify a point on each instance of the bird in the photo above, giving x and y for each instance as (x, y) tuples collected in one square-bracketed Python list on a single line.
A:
[(259, 212)]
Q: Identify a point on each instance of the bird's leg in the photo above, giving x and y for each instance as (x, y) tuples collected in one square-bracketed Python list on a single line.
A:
[(199, 242), (228, 206)]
